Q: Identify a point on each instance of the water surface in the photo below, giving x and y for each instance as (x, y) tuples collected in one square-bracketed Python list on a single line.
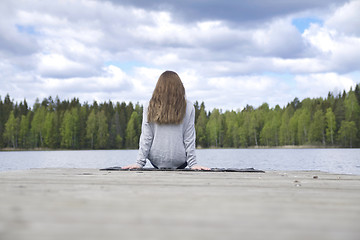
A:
[(328, 160)]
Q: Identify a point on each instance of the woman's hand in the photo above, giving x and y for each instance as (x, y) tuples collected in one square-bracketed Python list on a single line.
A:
[(197, 167), (132, 166)]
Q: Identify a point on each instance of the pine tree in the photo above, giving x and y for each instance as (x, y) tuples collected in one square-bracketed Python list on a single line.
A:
[(244, 127), (24, 137), (347, 133), (83, 114), (303, 126), (352, 113), (352, 108), (213, 128), (5, 108), (103, 131), (270, 131), (330, 126), (200, 127), (231, 129), (121, 109), (132, 131), (317, 128), (91, 128), (339, 111), (253, 127), (37, 126), (114, 132), (49, 130), (12, 130), (69, 129), (275, 125), (266, 134), (294, 127), (284, 131), (357, 92)]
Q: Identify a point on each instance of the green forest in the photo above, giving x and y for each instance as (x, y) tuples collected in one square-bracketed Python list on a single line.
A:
[(68, 124)]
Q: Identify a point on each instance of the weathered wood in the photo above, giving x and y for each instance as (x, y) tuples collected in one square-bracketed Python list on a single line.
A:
[(92, 204)]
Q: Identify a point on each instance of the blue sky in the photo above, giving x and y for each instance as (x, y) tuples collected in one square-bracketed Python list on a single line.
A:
[(304, 23), (227, 53)]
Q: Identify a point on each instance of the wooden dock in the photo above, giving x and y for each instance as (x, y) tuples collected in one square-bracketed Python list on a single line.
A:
[(48, 204)]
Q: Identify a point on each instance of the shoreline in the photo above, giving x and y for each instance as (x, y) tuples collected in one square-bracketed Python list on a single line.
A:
[(197, 148)]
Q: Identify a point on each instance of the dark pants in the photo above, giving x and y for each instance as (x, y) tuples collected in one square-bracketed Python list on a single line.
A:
[(180, 167)]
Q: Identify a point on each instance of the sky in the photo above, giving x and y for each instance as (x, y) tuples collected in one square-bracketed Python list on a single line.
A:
[(227, 53)]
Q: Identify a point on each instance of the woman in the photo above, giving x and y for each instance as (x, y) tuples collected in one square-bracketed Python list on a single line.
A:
[(168, 133)]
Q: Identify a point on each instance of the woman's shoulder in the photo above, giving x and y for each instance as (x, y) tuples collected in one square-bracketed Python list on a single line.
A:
[(190, 109), (146, 106), (189, 104)]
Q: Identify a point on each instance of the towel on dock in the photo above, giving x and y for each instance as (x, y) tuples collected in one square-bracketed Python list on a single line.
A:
[(186, 169)]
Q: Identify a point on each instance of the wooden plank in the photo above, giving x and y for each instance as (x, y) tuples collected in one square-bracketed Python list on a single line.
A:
[(92, 204)]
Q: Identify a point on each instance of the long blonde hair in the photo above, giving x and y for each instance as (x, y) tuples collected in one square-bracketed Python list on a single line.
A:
[(167, 104)]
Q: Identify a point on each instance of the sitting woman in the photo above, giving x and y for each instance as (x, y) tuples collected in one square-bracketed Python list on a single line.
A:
[(168, 132)]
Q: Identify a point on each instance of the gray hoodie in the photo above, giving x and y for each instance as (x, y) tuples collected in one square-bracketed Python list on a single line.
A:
[(168, 145)]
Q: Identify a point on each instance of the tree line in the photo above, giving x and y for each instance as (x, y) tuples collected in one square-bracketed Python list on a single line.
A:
[(67, 124), (333, 121)]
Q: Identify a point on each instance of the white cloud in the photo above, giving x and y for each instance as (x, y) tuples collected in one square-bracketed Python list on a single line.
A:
[(321, 38), (113, 79), (316, 85), (78, 51), (279, 38), (337, 52), (56, 65), (237, 92), (346, 19), (301, 65), (144, 80)]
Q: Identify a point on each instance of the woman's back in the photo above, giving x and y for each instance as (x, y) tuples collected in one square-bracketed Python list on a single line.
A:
[(173, 144), (168, 129)]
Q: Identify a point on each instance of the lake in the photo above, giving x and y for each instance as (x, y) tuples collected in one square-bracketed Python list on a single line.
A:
[(329, 160)]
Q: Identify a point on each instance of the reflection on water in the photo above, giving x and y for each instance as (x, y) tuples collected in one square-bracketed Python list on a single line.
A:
[(328, 160)]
